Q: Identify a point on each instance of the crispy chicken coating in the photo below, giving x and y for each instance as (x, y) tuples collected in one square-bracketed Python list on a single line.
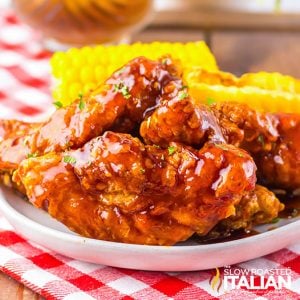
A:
[(124, 98), (280, 167), (120, 104), (245, 127), (115, 188), (184, 121), (14, 147), (259, 206), (272, 139), (179, 120)]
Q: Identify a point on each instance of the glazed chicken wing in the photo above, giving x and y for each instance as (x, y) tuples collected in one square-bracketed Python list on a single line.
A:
[(122, 99), (259, 206), (272, 139), (13, 142), (115, 188), (14, 146), (120, 103), (183, 120), (178, 119)]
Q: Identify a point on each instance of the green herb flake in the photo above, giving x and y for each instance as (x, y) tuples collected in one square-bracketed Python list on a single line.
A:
[(69, 159), (123, 89), (275, 220), (171, 150), (142, 171), (261, 140), (241, 155), (182, 95), (210, 101), (165, 61), (30, 155), (81, 101), (58, 104)]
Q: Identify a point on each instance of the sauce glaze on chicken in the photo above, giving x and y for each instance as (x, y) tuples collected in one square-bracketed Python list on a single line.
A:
[(138, 161)]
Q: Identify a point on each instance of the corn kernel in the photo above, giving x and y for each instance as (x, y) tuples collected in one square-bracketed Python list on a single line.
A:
[(91, 66), (267, 92)]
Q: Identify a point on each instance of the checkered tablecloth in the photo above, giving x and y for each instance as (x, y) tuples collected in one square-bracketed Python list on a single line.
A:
[(24, 92)]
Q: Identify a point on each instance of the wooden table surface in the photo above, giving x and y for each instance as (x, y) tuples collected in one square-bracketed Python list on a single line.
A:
[(237, 52)]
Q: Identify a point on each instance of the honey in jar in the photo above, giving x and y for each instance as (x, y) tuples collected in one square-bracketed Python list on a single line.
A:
[(82, 22)]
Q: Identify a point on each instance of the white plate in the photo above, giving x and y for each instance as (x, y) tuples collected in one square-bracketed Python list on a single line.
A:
[(39, 227)]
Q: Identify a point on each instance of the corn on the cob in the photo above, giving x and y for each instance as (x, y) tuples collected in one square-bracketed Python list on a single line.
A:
[(271, 92), (80, 70)]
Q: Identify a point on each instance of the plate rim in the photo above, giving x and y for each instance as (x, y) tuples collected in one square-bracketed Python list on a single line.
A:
[(14, 214)]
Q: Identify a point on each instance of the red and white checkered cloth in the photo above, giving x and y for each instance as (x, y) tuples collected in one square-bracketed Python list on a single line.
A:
[(24, 91)]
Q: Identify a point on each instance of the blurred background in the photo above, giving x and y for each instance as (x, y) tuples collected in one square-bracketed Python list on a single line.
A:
[(262, 34)]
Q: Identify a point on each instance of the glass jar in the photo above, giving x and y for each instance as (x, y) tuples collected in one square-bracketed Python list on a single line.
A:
[(66, 23)]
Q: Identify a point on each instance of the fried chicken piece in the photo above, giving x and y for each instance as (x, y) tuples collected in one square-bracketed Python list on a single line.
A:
[(245, 127), (14, 146), (259, 206), (126, 95), (280, 166), (119, 104), (117, 189), (179, 119), (184, 121), (272, 139)]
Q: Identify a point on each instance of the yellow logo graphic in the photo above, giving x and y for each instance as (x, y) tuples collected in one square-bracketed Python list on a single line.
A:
[(216, 280)]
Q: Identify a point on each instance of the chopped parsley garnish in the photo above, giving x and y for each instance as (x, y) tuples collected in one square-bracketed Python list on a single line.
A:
[(69, 159), (165, 61), (29, 155), (143, 171), (261, 140), (275, 220), (123, 89), (81, 102), (184, 87), (210, 101), (58, 104), (182, 95), (171, 150)]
